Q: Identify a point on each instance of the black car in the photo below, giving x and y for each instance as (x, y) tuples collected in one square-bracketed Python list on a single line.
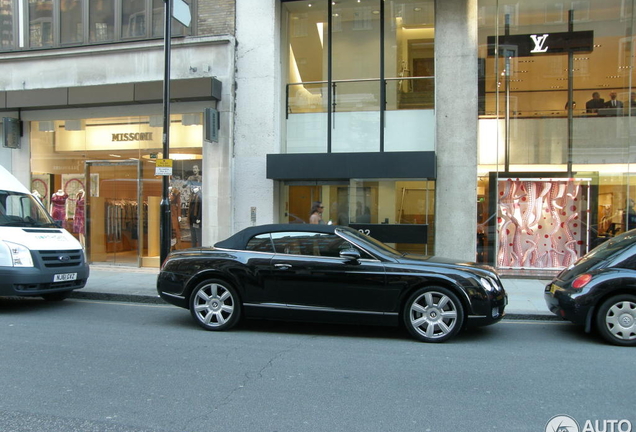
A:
[(599, 290), (329, 273)]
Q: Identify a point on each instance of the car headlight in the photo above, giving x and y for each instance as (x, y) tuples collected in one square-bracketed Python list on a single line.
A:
[(20, 255), (487, 284)]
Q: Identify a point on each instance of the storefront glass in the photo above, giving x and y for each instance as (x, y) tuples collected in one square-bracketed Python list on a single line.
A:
[(97, 176), (555, 162), (363, 58), (366, 202)]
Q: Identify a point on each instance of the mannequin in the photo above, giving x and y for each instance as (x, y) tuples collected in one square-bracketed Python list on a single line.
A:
[(194, 216), (175, 216), (78, 218), (58, 207)]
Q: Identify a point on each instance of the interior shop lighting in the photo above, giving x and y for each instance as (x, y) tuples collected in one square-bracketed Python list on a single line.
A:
[(156, 121), (175, 156), (73, 125), (46, 126), (193, 119)]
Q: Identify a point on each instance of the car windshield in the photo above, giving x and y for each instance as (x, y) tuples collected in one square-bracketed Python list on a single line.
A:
[(612, 246), (22, 210), (378, 244)]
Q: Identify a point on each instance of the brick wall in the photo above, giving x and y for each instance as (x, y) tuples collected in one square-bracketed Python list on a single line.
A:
[(216, 17)]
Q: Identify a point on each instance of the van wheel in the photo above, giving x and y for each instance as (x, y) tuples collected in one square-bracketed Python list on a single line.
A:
[(56, 296)]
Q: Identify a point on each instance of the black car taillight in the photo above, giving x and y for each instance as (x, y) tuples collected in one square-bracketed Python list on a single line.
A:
[(581, 281)]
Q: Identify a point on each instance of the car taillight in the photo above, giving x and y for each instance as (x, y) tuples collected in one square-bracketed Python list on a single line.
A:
[(581, 281)]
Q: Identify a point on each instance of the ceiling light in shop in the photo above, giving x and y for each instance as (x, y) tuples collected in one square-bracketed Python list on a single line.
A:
[(46, 126), (174, 156), (193, 119), (74, 125), (156, 121)]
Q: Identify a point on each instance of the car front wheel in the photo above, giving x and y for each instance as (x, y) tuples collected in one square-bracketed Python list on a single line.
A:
[(433, 314), (616, 320), (214, 305)]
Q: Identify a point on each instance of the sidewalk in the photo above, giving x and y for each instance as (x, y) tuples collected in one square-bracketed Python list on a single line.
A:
[(117, 283)]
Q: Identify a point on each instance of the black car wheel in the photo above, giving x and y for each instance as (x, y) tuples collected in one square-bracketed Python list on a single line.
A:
[(214, 305), (616, 320), (433, 314)]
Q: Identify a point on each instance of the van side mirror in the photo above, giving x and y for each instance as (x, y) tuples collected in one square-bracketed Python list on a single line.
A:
[(350, 254)]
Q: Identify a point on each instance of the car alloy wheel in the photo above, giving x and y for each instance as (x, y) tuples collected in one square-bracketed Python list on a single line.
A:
[(214, 305), (616, 320), (433, 314)]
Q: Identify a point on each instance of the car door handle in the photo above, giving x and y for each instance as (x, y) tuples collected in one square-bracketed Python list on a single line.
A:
[(283, 266)]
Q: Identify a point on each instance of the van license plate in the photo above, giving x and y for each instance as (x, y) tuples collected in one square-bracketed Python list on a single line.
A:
[(64, 277)]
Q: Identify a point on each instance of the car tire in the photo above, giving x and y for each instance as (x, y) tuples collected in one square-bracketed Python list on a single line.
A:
[(616, 320), (214, 305), (56, 296), (433, 314)]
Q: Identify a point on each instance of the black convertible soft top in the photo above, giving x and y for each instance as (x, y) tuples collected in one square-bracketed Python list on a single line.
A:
[(239, 240)]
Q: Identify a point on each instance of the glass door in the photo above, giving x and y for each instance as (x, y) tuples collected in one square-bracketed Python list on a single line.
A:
[(114, 216)]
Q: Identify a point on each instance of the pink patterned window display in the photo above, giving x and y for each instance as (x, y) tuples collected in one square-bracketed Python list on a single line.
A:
[(541, 222)]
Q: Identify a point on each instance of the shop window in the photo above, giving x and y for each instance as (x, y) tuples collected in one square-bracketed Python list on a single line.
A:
[(133, 19), (7, 25), (41, 23), (102, 20), (71, 24), (336, 106), (387, 202)]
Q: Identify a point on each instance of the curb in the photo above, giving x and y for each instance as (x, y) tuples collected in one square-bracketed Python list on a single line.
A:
[(128, 298), (135, 298)]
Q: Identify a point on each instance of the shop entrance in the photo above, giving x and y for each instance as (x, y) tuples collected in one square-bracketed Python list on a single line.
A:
[(114, 220)]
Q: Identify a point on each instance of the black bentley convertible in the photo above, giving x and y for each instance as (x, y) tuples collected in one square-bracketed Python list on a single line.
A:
[(329, 273)]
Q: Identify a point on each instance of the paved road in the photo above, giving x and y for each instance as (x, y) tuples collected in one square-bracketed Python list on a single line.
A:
[(108, 366)]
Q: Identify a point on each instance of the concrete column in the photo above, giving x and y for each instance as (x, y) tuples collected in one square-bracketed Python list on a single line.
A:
[(257, 110), (456, 128)]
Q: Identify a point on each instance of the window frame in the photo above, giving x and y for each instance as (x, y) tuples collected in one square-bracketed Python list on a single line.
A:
[(22, 40)]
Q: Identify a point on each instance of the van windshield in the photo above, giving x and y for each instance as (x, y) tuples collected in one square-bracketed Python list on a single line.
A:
[(23, 210)]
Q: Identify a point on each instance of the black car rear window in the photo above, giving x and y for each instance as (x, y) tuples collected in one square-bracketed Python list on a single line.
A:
[(613, 246)]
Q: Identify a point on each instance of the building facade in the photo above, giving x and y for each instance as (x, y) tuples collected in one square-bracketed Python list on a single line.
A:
[(444, 127)]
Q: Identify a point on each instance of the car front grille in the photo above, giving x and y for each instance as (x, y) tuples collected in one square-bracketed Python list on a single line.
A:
[(61, 258), (25, 288)]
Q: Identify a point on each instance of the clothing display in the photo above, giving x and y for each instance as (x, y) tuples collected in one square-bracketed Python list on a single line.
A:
[(58, 206), (194, 216), (78, 218), (121, 220), (175, 216)]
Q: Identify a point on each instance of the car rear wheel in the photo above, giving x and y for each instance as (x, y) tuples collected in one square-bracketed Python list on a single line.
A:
[(616, 320), (433, 314), (214, 305)]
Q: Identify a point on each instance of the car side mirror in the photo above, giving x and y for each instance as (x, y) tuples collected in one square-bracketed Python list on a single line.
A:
[(350, 254)]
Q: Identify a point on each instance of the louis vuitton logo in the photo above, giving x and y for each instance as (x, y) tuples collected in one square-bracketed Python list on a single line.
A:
[(539, 43)]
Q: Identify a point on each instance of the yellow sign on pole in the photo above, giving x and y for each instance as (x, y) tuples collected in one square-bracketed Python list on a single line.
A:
[(163, 167)]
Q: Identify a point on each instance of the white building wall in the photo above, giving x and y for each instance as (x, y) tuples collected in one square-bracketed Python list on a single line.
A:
[(258, 110)]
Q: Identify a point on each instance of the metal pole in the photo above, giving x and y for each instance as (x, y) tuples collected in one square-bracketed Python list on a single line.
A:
[(570, 96), (507, 66), (166, 228)]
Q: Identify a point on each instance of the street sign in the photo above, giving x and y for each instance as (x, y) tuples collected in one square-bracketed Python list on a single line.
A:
[(163, 167), (181, 12)]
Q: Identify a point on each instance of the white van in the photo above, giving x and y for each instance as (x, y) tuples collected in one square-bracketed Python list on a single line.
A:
[(37, 257)]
